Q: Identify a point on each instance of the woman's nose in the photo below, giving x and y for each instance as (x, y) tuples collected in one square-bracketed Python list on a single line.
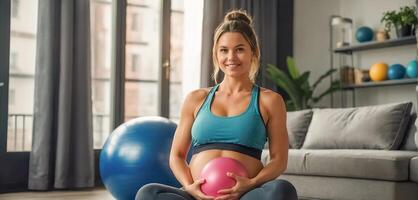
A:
[(232, 55)]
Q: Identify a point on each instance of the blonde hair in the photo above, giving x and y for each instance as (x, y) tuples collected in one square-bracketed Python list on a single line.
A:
[(238, 21)]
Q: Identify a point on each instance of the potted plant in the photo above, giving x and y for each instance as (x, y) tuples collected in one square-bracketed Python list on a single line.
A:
[(403, 21), (297, 86)]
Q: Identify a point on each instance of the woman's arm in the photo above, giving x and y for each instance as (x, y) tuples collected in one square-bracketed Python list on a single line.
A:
[(274, 107), (182, 140), (181, 144)]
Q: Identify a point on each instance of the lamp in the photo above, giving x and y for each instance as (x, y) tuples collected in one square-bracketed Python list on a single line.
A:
[(341, 28), (340, 35)]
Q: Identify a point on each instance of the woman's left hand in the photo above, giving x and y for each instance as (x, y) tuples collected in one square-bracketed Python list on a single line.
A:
[(242, 186)]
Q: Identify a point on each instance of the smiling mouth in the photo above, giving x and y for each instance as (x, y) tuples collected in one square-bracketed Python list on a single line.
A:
[(232, 66)]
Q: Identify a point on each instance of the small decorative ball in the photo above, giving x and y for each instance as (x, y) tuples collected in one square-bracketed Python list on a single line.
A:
[(364, 34), (215, 174), (396, 71), (379, 71), (411, 69)]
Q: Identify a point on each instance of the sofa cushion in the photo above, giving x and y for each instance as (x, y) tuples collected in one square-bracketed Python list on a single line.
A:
[(297, 125), (411, 138), (352, 163), (327, 188), (370, 127)]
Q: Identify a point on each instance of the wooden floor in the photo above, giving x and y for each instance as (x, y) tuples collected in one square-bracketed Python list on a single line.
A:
[(93, 194)]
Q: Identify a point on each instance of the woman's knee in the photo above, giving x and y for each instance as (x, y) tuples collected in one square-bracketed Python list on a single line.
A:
[(148, 191), (282, 189)]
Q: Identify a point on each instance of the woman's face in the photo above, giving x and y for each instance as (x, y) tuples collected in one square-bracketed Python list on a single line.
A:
[(234, 55)]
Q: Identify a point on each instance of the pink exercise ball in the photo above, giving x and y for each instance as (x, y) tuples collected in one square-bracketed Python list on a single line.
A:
[(214, 172)]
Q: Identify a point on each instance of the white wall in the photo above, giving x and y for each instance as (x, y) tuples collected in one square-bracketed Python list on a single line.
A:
[(311, 44), (311, 38)]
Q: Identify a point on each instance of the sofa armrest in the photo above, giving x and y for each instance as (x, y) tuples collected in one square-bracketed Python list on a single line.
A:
[(413, 169)]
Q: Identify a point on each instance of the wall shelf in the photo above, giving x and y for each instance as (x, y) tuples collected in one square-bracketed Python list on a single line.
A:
[(376, 45), (350, 51), (405, 81)]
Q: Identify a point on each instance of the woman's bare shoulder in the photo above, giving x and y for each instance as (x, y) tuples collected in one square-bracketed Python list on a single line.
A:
[(269, 95), (270, 98), (197, 96)]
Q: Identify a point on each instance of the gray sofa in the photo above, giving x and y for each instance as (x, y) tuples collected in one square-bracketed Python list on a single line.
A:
[(353, 153)]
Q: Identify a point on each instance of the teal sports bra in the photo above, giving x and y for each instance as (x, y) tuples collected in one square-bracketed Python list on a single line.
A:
[(245, 133)]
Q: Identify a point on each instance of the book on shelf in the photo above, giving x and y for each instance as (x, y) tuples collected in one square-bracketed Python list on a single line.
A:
[(353, 76), (347, 75)]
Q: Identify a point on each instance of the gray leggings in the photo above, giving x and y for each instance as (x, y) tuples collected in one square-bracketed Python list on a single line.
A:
[(276, 189)]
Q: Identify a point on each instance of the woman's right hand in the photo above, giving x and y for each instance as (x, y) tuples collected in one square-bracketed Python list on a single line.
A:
[(194, 190)]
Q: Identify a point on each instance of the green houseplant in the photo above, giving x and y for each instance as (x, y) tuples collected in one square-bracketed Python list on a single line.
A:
[(403, 21), (297, 85)]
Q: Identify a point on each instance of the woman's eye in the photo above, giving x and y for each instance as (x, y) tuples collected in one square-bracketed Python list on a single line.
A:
[(223, 50), (240, 49)]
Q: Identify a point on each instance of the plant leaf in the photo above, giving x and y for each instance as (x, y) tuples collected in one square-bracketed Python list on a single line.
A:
[(303, 79), (303, 82), (335, 86), (291, 66), (290, 106), (283, 81), (328, 73)]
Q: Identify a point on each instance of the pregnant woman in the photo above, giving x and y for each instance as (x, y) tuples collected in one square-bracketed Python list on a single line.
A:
[(232, 119)]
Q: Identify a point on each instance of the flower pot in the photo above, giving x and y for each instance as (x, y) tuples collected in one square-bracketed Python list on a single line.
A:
[(404, 31), (382, 35)]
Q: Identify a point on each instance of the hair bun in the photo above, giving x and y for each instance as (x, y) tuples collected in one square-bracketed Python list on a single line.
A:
[(239, 15)]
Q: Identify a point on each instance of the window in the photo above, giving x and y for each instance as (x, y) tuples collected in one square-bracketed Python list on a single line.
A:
[(135, 62), (13, 60), (141, 88), (143, 47), (12, 95), (176, 57), (15, 8), (21, 83), (136, 22), (101, 16), (137, 28)]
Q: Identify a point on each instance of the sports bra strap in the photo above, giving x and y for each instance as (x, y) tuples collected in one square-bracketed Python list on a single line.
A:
[(254, 98), (210, 96)]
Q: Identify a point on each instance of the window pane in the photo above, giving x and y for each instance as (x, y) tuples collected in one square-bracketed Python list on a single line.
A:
[(140, 99), (15, 8), (135, 24), (141, 63), (139, 2), (101, 16), (22, 70), (142, 58), (176, 57), (175, 101), (177, 5)]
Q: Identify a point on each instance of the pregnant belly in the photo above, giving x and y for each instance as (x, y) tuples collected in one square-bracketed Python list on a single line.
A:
[(252, 165)]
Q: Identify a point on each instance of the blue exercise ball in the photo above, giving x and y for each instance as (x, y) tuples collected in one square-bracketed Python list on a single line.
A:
[(135, 154), (364, 34), (411, 69), (396, 71)]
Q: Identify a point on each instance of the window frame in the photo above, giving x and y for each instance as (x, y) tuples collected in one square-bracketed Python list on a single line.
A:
[(5, 9)]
